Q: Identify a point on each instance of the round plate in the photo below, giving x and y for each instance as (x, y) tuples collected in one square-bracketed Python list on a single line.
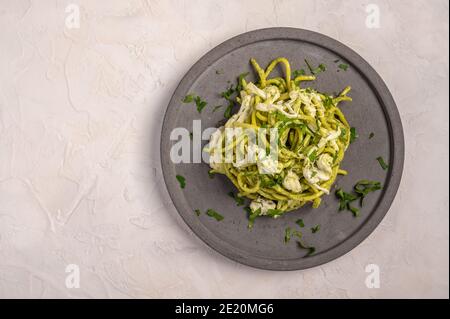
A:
[(372, 110)]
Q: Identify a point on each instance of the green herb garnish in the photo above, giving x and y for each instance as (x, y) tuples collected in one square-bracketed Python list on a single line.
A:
[(228, 93), (274, 212), (216, 108), (287, 235), (382, 163), (188, 98), (321, 68), (315, 229), (343, 66), (200, 103), (227, 113), (197, 212), (372, 134), (297, 73), (181, 180), (345, 201), (312, 157), (300, 223), (239, 200), (311, 249), (252, 216), (353, 134), (211, 173), (239, 84), (364, 187), (212, 213)]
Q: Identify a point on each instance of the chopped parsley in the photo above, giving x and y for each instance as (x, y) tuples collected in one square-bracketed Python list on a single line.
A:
[(382, 163), (371, 135), (274, 212), (199, 102), (181, 180), (188, 98), (315, 229), (197, 212), (219, 71), (287, 235), (353, 134), (227, 113), (300, 223), (212, 213), (343, 66), (361, 189), (228, 93), (321, 68), (345, 201), (364, 187), (216, 108), (252, 216), (312, 157), (211, 173), (239, 82), (297, 73), (239, 200), (311, 250)]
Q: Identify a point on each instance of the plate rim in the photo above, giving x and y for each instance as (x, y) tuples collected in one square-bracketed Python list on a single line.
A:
[(396, 161)]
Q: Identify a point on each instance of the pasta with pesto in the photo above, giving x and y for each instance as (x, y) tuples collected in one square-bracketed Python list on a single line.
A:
[(313, 136)]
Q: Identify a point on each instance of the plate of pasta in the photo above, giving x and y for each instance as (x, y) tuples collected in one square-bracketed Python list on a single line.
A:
[(282, 149)]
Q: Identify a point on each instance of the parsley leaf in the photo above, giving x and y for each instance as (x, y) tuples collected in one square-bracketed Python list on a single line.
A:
[(297, 73), (181, 180), (315, 229), (200, 103), (372, 134), (188, 98), (239, 82), (364, 187), (300, 223), (212, 213), (227, 113), (216, 108), (321, 68), (287, 235), (197, 212), (311, 249), (383, 164), (239, 200), (312, 157), (274, 212), (343, 66), (252, 216), (353, 134)]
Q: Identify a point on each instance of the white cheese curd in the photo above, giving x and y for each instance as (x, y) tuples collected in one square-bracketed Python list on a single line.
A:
[(324, 163), (264, 204), (253, 89), (292, 182), (214, 147), (268, 165), (332, 136)]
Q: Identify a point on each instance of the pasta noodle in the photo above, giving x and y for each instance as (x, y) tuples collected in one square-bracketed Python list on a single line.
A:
[(313, 136)]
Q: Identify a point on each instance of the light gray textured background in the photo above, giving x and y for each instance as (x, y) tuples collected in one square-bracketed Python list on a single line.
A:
[(80, 178)]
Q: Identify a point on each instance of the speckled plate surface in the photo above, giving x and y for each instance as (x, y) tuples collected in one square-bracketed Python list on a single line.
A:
[(372, 110)]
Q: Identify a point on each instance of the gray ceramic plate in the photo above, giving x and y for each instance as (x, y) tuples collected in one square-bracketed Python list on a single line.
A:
[(372, 110)]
